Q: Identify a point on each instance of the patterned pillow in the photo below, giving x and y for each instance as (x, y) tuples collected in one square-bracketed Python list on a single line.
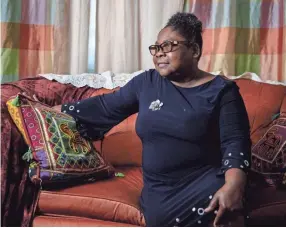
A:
[(57, 152), (269, 154)]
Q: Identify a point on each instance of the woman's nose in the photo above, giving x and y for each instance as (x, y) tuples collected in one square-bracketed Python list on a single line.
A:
[(160, 53)]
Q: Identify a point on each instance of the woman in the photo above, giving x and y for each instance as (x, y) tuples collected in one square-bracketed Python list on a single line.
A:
[(193, 126)]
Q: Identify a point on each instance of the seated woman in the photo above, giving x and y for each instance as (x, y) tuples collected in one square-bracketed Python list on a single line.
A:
[(193, 126)]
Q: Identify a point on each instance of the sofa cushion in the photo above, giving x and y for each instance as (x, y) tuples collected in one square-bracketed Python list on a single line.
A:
[(121, 145), (263, 101), (267, 207), (66, 221), (115, 199)]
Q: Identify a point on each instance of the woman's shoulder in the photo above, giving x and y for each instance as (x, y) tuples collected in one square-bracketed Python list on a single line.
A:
[(148, 76), (226, 83), (218, 87)]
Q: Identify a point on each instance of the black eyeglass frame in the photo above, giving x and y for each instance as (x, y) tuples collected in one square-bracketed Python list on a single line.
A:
[(173, 43)]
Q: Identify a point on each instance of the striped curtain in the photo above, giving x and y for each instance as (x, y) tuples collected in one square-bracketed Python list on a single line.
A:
[(44, 36), (79, 36), (243, 35), (59, 36)]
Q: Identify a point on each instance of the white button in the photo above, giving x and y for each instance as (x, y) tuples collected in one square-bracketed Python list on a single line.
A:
[(229, 154), (201, 211), (78, 102), (194, 209), (77, 111), (241, 154), (64, 111), (241, 166), (199, 222), (177, 220), (246, 163), (215, 211), (66, 105), (226, 162), (210, 197), (71, 107)]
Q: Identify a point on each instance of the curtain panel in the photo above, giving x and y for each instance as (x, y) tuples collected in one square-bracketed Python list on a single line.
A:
[(243, 36), (79, 36)]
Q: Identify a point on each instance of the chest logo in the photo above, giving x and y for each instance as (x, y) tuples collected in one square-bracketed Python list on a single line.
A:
[(156, 105)]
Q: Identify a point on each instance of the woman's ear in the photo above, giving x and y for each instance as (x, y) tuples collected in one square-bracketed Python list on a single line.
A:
[(196, 51)]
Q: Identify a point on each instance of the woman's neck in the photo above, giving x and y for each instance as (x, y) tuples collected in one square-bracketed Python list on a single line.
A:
[(189, 80)]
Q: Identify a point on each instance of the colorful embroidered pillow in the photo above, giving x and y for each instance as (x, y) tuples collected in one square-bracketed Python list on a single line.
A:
[(269, 154), (57, 152)]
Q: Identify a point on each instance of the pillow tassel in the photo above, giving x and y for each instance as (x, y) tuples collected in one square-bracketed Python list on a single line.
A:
[(28, 156), (16, 102), (119, 175)]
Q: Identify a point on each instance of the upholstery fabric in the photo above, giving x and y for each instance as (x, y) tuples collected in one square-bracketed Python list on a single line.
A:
[(115, 199), (16, 187), (263, 101), (119, 151), (267, 207), (66, 221)]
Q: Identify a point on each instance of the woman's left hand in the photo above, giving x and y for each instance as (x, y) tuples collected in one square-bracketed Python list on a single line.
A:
[(228, 199)]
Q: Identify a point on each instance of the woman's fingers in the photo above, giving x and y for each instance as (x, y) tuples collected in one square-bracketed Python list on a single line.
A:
[(213, 204), (219, 215)]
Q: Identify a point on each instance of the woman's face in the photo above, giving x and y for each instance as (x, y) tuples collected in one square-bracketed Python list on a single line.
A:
[(179, 61)]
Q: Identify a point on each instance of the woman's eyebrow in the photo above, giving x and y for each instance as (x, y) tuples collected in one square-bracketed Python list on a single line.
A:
[(162, 41)]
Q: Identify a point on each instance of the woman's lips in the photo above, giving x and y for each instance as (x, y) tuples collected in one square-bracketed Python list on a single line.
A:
[(162, 65)]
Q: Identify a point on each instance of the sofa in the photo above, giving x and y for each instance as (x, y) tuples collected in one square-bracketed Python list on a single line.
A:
[(115, 201)]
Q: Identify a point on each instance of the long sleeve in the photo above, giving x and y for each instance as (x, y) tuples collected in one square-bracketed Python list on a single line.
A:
[(234, 131), (97, 115)]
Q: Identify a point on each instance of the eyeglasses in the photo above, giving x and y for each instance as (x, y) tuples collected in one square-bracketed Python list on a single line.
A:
[(167, 46)]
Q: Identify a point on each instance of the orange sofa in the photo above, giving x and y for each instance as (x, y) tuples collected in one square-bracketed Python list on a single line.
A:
[(115, 201)]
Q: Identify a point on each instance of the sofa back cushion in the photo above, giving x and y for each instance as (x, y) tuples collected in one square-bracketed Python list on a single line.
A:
[(263, 102), (121, 145)]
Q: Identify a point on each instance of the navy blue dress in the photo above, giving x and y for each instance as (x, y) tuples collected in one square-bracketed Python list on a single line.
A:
[(190, 137)]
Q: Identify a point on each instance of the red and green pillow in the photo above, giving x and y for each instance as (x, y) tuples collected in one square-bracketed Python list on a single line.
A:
[(57, 152)]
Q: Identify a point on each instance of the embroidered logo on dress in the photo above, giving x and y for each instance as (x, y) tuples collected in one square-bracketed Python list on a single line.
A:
[(156, 105)]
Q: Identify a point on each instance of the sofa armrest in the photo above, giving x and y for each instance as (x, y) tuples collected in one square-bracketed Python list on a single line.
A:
[(49, 92), (17, 190)]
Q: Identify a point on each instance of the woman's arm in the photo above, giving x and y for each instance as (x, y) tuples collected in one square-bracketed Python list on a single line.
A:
[(235, 147), (97, 115)]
